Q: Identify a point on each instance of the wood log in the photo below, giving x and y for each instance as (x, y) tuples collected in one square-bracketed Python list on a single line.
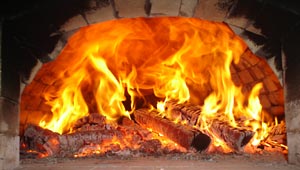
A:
[(184, 112), (185, 136), (236, 138), (92, 119), (41, 140), (54, 144), (48, 143)]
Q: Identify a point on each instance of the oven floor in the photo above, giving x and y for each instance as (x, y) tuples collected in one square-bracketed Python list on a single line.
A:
[(177, 162)]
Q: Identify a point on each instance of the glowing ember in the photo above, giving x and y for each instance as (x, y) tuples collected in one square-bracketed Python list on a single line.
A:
[(165, 56)]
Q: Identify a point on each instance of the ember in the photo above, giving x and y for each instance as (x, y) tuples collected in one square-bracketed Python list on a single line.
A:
[(121, 78)]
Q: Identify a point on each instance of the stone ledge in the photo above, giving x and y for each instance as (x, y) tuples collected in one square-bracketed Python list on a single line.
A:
[(100, 15), (206, 9), (292, 116), (165, 7), (130, 8), (73, 23), (294, 147), (9, 116), (187, 8), (9, 151)]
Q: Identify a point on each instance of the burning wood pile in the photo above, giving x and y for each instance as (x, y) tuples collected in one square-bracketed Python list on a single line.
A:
[(148, 132), (154, 85), (91, 137)]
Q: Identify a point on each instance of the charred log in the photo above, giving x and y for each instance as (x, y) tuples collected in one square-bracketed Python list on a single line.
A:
[(183, 112), (37, 138), (185, 136), (88, 138), (235, 138), (54, 144), (94, 121)]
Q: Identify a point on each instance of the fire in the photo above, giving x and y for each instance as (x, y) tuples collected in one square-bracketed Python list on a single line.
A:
[(69, 105), (121, 60)]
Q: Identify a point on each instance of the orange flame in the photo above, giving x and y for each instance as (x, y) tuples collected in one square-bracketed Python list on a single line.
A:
[(165, 55)]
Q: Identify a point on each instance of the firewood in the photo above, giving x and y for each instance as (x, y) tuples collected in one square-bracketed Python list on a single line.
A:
[(278, 134), (184, 112), (91, 119), (50, 143), (41, 140), (183, 135), (54, 144), (236, 138)]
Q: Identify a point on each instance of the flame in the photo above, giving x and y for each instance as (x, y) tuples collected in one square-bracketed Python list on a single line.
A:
[(68, 106), (127, 57)]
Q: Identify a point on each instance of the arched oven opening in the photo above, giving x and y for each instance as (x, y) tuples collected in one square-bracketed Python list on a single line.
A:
[(67, 93)]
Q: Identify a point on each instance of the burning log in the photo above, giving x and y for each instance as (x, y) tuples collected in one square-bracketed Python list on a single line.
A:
[(185, 136), (93, 121), (183, 112), (92, 136), (235, 138), (54, 144)]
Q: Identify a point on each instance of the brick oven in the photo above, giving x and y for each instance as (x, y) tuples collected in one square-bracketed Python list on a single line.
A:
[(33, 35)]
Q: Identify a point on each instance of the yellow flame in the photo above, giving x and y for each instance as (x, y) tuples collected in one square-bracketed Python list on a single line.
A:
[(110, 91), (109, 61), (160, 106), (69, 106)]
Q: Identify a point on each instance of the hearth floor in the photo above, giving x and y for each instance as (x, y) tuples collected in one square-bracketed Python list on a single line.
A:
[(176, 162)]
